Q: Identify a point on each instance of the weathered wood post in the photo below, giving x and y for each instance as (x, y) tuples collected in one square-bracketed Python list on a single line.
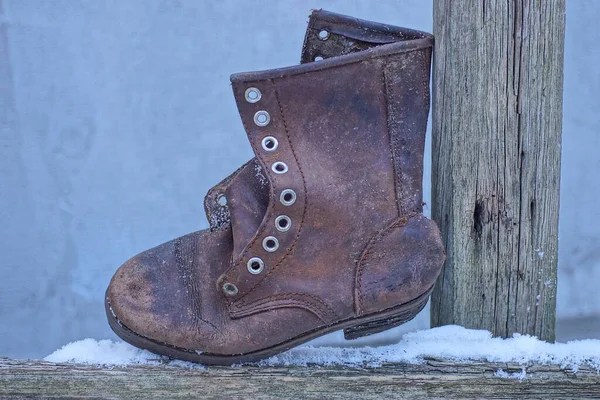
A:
[(498, 78)]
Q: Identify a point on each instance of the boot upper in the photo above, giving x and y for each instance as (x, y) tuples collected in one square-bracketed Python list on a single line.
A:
[(338, 147)]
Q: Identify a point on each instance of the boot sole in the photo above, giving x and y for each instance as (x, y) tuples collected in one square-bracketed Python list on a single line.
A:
[(353, 328)]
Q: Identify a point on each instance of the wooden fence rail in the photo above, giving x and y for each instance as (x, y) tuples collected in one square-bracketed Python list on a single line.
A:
[(433, 379)]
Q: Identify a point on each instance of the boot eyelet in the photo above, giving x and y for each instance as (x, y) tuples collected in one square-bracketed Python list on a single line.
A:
[(323, 35), (283, 223), (230, 289), (262, 118), (269, 143), (279, 167), (222, 200), (287, 197), (270, 243), (255, 265), (253, 95)]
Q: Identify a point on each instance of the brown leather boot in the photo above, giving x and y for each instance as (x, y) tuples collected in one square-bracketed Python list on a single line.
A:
[(322, 230)]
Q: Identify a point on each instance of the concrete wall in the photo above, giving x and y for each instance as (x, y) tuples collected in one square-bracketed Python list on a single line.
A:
[(579, 239), (117, 116)]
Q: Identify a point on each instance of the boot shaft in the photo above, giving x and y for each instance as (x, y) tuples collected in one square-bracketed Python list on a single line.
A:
[(343, 138), (405, 76), (353, 126)]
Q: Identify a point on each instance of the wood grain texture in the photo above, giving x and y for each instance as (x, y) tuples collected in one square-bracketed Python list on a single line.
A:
[(435, 379), (497, 116)]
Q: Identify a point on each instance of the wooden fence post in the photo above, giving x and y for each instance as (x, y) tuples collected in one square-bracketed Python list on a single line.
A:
[(497, 98)]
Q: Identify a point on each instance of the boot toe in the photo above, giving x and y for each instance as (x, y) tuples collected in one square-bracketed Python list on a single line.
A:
[(129, 295), (151, 297)]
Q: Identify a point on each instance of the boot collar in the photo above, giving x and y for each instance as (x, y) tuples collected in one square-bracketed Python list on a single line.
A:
[(349, 40)]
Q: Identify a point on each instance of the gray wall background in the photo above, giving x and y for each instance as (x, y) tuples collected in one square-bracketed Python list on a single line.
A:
[(117, 116)]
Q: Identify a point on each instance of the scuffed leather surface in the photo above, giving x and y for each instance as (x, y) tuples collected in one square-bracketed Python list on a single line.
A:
[(407, 110), (348, 182), (167, 294), (398, 263), (351, 130)]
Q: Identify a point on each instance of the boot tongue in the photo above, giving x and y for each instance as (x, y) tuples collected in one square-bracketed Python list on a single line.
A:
[(247, 198)]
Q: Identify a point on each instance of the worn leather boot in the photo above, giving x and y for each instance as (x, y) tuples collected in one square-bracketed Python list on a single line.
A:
[(322, 230)]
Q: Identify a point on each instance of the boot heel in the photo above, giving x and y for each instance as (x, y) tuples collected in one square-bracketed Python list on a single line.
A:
[(394, 319)]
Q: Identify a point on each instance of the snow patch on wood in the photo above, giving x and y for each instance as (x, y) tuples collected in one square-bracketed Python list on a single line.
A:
[(450, 342)]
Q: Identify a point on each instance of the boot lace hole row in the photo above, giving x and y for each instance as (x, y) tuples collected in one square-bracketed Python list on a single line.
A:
[(230, 289), (255, 265), (269, 143), (318, 58), (270, 244), (323, 35), (283, 223), (222, 200), (252, 95), (279, 167), (262, 118), (287, 197)]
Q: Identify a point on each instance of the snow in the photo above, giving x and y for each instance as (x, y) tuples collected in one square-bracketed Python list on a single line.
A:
[(540, 253), (450, 342), (104, 352), (511, 375), (108, 352)]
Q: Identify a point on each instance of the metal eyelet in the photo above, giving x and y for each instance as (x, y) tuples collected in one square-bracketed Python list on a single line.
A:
[(262, 118), (222, 200), (287, 197), (283, 223), (323, 35), (255, 265), (253, 95), (279, 167), (270, 243), (230, 289), (269, 143)]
